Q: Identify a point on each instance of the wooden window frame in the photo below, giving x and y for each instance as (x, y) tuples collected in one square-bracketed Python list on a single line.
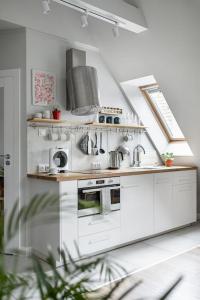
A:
[(159, 120)]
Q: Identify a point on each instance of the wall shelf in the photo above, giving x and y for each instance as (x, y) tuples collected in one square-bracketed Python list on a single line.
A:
[(90, 124), (105, 125), (49, 121)]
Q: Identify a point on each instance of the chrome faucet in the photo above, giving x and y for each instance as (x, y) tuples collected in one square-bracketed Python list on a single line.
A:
[(137, 155)]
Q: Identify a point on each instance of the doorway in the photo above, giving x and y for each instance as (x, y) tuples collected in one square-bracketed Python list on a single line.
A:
[(9, 146), (1, 159)]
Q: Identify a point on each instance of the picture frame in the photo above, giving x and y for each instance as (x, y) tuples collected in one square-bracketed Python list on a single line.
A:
[(43, 88)]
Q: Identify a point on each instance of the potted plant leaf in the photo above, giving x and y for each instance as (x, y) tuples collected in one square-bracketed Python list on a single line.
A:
[(43, 280), (168, 159)]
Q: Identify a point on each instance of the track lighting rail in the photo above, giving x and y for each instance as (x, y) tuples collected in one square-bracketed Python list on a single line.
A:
[(99, 13)]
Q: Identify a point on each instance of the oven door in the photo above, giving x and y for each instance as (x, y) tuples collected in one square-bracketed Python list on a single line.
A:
[(89, 201), (114, 197)]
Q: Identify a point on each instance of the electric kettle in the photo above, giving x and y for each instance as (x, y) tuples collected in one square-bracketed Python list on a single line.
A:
[(115, 159)]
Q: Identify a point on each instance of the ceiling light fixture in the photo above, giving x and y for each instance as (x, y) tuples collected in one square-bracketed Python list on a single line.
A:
[(115, 30), (91, 12), (85, 13), (46, 6), (84, 19)]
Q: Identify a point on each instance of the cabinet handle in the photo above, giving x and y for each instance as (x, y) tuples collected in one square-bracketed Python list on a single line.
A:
[(184, 180), (100, 241), (163, 181), (185, 190), (99, 222), (129, 186)]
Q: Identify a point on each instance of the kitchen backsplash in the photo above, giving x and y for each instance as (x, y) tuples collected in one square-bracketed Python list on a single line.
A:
[(50, 56), (38, 148)]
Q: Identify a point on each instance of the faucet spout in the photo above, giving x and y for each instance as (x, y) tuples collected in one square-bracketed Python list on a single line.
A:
[(137, 155)]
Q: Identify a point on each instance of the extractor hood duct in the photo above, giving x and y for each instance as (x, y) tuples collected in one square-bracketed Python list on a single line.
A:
[(82, 85)]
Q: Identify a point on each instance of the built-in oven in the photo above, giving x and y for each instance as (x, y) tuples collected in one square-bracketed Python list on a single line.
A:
[(98, 196)]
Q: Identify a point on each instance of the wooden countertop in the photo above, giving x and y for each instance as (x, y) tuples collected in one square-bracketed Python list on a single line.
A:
[(106, 173)]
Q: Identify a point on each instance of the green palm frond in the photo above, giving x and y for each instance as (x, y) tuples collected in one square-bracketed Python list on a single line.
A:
[(44, 205), (75, 280)]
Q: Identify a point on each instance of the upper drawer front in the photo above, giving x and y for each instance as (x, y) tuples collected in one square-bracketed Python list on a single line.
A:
[(182, 177), (136, 180), (164, 178), (98, 223)]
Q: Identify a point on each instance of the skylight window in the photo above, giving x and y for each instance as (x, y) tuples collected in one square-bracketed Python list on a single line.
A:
[(163, 113)]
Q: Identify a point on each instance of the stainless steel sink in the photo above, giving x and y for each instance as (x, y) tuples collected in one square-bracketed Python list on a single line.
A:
[(95, 171), (148, 168), (107, 171)]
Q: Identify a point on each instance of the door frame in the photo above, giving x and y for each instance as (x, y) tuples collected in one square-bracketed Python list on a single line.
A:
[(12, 78)]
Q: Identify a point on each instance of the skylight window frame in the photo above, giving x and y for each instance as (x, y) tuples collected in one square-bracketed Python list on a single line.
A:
[(161, 123)]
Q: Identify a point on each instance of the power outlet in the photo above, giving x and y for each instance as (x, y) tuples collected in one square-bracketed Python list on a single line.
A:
[(41, 168), (42, 132)]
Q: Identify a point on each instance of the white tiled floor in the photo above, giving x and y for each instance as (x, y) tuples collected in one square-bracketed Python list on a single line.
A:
[(142, 255), (151, 251)]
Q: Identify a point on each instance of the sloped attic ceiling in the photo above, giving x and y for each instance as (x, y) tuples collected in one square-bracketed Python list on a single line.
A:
[(169, 50)]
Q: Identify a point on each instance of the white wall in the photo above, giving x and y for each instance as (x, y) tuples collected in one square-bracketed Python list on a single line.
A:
[(169, 50), (38, 149), (27, 49), (50, 55), (13, 56)]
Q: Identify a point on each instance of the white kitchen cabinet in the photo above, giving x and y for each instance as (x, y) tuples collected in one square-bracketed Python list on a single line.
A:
[(137, 207), (62, 228), (69, 216), (150, 204), (175, 200), (164, 202), (184, 198)]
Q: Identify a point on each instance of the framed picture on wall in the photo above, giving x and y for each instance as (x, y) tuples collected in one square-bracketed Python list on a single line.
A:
[(43, 88)]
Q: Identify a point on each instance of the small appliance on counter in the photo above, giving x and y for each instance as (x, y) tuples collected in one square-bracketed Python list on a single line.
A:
[(115, 159), (58, 159)]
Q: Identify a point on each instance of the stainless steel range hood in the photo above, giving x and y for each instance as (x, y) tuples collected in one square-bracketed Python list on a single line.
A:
[(82, 85)]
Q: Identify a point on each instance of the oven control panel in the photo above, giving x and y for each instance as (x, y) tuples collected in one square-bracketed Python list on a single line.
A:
[(98, 182)]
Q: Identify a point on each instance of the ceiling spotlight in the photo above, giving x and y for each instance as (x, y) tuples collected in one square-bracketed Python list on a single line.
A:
[(84, 19), (115, 30), (46, 6)]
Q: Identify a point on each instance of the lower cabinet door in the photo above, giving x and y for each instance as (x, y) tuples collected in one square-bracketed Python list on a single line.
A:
[(175, 200), (68, 216), (99, 241), (137, 207), (185, 208), (164, 202)]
